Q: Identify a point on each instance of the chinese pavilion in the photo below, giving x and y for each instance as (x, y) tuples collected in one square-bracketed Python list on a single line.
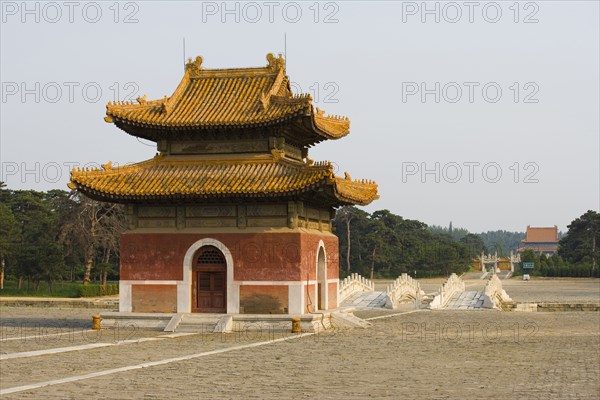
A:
[(542, 240), (231, 215)]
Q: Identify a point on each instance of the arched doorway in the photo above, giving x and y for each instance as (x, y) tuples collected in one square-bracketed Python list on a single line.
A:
[(321, 280), (209, 281)]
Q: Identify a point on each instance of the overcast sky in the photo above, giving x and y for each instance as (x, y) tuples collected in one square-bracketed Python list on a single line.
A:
[(485, 114)]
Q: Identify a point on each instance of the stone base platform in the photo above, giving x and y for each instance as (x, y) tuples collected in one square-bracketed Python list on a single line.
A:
[(214, 323), (554, 307)]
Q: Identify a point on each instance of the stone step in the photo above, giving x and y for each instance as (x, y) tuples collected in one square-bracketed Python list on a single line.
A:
[(207, 328), (174, 323), (204, 323)]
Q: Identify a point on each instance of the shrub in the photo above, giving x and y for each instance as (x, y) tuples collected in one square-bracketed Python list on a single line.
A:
[(97, 290), (574, 271)]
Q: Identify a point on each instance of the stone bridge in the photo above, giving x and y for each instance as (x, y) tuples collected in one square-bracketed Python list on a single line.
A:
[(359, 292)]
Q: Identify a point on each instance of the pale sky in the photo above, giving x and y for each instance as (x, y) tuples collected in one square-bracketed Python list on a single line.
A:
[(497, 103)]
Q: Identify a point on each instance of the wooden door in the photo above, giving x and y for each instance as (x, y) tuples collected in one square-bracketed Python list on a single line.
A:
[(209, 281)]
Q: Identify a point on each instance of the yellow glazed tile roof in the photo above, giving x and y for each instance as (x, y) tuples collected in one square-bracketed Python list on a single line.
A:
[(228, 98), (177, 177), (356, 192)]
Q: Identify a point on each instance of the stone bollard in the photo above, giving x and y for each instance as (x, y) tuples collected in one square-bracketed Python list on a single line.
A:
[(96, 322), (296, 325)]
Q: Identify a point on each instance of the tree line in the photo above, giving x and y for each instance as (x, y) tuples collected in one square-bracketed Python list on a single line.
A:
[(500, 241), (580, 245), (577, 250), (57, 236), (385, 245), (65, 236)]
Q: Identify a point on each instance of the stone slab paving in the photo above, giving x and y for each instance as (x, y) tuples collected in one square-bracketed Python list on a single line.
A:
[(366, 300), (503, 274), (421, 355), (470, 300), (472, 275)]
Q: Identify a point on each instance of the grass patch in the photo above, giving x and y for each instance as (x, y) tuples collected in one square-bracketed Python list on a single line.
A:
[(64, 289), (97, 290)]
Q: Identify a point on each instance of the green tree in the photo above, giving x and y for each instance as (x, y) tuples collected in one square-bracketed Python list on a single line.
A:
[(543, 261), (582, 239), (557, 261), (455, 233), (4, 193), (349, 223), (72, 243), (43, 235), (385, 245), (38, 256), (474, 244), (343, 220), (502, 241), (528, 255), (9, 237), (382, 237)]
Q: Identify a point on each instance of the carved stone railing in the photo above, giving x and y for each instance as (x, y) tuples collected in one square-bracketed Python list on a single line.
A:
[(352, 284), (514, 259), (453, 285), (495, 296), (489, 259), (402, 290)]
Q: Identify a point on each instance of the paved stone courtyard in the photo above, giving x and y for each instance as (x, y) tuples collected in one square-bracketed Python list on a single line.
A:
[(449, 354), (561, 290)]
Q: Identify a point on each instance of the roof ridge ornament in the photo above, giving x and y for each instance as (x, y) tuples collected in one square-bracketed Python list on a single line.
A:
[(334, 117), (275, 64), (277, 154), (165, 106), (194, 66)]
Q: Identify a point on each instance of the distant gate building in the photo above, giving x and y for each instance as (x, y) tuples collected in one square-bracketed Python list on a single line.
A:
[(231, 215), (542, 240)]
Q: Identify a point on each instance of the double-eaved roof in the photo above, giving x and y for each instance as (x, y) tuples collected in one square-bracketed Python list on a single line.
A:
[(227, 99), (209, 105)]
